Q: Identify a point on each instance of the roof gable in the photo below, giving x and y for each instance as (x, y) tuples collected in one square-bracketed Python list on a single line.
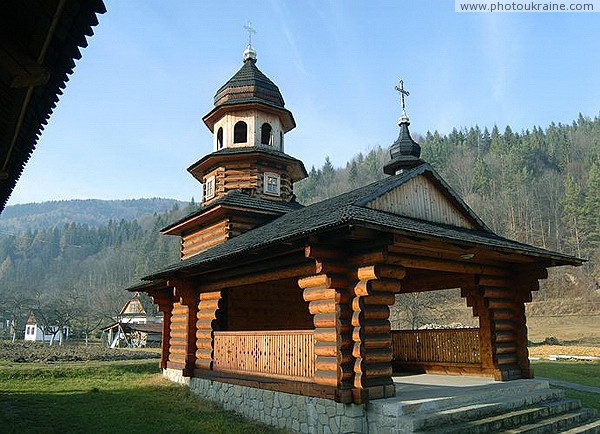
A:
[(422, 194), (420, 198)]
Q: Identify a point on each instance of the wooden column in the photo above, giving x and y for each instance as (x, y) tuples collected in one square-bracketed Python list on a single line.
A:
[(372, 349), (500, 304), (209, 307), (328, 297), (183, 327), (164, 300)]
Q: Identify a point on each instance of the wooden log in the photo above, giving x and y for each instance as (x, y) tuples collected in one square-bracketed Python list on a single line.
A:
[(502, 314), (366, 258), (372, 370), (505, 282), (504, 325), (381, 271), (506, 348), (330, 334), (330, 267), (505, 336), (507, 359), (497, 292), (371, 313), (204, 334), (322, 306), (182, 334), (326, 378), (381, 299), (206, 315), (326, 349), (446, 265), (326, 363), (215, 295), (325, 320), (204, 353), (260, 277), (203, 363), (204, 324), (202, 344), (318, 293), (367, 287), (372, 327), (377, 341), (374, 356), (319, 251), (499, 303)]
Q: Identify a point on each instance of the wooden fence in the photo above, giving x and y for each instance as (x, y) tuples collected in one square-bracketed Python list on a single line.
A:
[(443, 346), (287, 354)]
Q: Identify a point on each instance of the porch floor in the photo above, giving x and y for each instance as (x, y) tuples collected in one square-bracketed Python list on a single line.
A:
[(427, 392)]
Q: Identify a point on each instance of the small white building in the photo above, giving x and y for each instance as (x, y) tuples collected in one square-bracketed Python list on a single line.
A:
[(33, 332), (134, 327)]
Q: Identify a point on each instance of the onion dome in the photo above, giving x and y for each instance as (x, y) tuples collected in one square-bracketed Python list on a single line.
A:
[(405, 152), (249, 86)]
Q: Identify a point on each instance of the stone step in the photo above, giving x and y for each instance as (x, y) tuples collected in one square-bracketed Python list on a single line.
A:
[(487, 409), (555, 424), (589, 428), (425, 401), (512, 419)]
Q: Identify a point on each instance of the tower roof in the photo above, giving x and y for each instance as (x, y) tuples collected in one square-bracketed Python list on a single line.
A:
[(405, 152), (249, 84), (249, 87)]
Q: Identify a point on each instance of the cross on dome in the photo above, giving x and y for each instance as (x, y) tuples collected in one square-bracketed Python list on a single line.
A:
[(403, 93), (249, 53)]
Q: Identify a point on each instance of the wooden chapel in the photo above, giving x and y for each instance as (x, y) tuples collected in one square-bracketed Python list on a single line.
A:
[(276, 295)]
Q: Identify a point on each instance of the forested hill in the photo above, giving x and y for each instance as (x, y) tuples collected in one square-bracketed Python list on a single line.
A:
[(91, 212), (540, 186)]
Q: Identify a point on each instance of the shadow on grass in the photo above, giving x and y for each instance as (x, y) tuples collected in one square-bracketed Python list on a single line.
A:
[(143, 403)]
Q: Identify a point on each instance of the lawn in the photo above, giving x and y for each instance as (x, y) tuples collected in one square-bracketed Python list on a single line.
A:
[(106, 397), (587, 373)]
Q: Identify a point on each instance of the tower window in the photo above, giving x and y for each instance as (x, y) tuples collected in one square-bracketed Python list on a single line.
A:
[(272, 183), (265, 134), (281, 141), (220, 138), (209, 188), (240, 132)]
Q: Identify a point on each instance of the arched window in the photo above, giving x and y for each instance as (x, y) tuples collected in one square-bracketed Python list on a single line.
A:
[(220, 138), (281, 141), (265, 134), (240, 132)]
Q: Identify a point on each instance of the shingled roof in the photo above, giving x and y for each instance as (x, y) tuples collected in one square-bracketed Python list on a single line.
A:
[(350, 209), (239, 199), (39, 42)]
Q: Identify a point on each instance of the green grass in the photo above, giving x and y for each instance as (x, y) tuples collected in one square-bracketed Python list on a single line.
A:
[(106, 397), (586, 373)]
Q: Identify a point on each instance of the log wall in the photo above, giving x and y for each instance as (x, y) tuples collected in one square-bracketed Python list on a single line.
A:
[(259, 307), (178, 336), (202, 239), (371, 334), (328, 298), (208, 318)]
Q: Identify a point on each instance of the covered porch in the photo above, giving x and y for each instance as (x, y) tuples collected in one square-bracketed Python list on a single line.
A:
[(314, 319)]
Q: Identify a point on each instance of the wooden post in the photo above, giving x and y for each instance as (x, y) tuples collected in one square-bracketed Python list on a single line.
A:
[(500, 304), (183, 326), (164, 300), (209, 307), (373, 293), (329, 301)]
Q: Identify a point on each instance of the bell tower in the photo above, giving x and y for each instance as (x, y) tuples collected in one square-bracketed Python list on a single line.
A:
[(247, 179)]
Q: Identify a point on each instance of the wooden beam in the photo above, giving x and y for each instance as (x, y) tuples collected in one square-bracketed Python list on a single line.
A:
[(259, 277), (424, 263)]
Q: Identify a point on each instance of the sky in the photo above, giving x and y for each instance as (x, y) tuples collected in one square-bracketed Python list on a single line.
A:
[(130, 120)]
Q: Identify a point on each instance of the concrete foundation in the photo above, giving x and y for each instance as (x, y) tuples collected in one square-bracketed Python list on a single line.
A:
[(420, 400)]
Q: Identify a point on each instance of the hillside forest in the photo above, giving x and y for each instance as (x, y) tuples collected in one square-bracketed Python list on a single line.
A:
[(538, 186)]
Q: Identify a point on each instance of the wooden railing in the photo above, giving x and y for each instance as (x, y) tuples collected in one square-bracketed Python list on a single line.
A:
[(287, 354), (443, 346)]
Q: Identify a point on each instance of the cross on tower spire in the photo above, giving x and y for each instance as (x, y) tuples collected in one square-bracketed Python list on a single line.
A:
[(403, 93), (250, 31), (249, 53)]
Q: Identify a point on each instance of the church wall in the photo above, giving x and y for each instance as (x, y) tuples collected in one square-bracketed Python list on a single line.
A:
[(273, 308), (200, 240)]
